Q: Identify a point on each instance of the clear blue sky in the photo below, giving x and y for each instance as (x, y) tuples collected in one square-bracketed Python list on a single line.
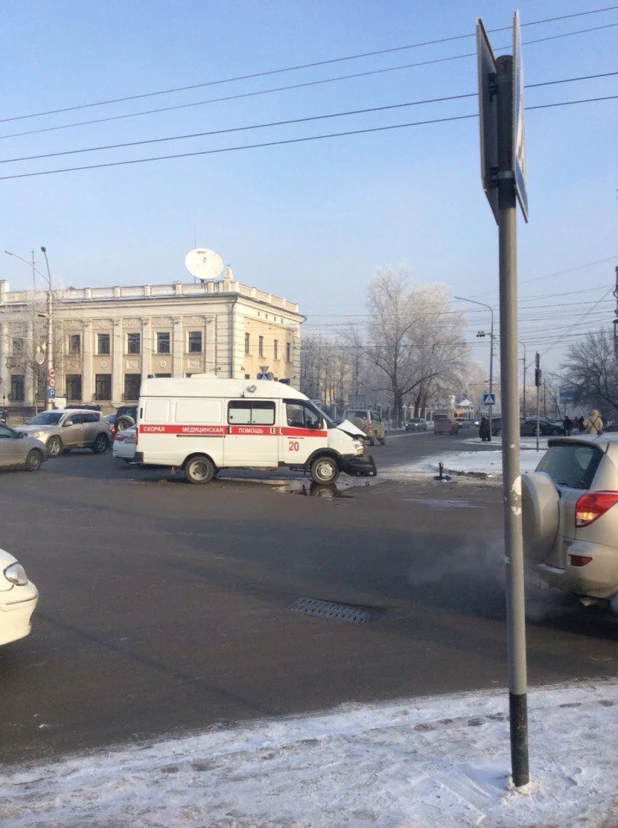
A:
[(309, 221)]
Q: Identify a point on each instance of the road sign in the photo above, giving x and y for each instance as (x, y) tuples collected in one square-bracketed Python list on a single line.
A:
[(519, 139), (489, 399), (488, 116), (51, 373), (51, 382), (51, 393), (262, 376)]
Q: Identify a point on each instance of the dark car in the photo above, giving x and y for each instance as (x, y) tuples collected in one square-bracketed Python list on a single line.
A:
[(547, 428), (416, 424)]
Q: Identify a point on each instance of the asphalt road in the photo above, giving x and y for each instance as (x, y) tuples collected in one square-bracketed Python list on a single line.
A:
[(168, 608)]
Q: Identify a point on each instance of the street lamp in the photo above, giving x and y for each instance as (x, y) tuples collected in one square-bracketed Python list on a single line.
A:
[(50, 391), (523, 345), (491, 352)]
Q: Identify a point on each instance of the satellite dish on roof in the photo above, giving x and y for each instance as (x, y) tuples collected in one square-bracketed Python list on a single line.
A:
[(203, 264)]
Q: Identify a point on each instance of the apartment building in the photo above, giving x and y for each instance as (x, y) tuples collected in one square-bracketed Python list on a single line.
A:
[(105, 340)]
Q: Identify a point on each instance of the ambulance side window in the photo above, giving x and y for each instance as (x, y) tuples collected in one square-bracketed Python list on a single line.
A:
[(299, 415), (157, 410), (251, 412)]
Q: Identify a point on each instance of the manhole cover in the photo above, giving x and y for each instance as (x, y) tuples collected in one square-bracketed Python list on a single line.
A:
[(334, 611)]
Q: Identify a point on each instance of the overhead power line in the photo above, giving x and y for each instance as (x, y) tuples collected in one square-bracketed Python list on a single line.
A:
[(299, 66), (282, 88), (287, 122), (284, 142)]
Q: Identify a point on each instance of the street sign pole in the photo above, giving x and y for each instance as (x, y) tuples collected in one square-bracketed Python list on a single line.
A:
[(503, 171), (511, 474)]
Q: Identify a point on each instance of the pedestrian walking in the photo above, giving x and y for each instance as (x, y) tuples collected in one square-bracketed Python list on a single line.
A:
[(484, 429), (593, 423), (581, 425), (567, 425)]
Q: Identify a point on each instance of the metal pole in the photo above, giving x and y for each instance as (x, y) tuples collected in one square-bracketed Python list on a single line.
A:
[(491, 353), (50, 334), (34, 370), (491, 370), (523, 345), (513, 539)]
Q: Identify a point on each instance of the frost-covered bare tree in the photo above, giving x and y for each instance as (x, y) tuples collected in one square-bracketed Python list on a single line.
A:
[(591, 371), (412, 337), (330, 370)]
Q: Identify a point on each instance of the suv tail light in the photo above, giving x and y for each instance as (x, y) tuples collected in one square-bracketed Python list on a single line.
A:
[(592, 505), (119, 436)]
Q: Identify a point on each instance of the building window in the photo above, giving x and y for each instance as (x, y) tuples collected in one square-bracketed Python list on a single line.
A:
[(17, 387), (261, 346), (195, 342), (276, 349), (163, 342), (18, 346), (75, 344), (247, 343), (102, 386), (74, 387), (134, 342), (131, 386), (164, 376), (288, 351), (103, 344)]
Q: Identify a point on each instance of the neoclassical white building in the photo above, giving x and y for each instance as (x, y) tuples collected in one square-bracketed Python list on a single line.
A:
[(107, 339)]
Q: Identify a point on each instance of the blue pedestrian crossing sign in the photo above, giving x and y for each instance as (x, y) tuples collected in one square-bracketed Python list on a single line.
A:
[(489, 399)]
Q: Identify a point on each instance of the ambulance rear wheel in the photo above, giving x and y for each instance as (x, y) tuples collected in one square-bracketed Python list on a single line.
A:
[(200, 470), (324, 470)]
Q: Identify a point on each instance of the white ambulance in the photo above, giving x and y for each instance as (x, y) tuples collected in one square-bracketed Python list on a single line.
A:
[(201, 424)]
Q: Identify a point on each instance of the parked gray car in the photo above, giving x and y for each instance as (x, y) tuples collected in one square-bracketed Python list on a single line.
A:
[(570, 517), (19, 452), (69, 428)]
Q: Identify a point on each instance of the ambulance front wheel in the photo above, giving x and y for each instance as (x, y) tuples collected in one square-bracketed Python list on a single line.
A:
[(200, 470), (324, 470)]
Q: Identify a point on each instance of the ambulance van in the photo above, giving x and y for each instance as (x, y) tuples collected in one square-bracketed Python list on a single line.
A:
[(201, 424)]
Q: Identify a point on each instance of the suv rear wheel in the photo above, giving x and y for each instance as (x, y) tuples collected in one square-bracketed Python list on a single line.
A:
[(100, 444)]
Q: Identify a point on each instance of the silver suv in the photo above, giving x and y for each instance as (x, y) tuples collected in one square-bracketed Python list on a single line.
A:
[(570, 516), (68, 429), (369, 422)]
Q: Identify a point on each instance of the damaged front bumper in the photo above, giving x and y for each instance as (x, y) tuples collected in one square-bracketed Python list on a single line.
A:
[(359, 466)]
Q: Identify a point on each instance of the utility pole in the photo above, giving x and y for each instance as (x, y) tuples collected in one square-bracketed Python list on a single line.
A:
[(491, 353), (616, 319), (523, 345), (51, 374), (538, 377)]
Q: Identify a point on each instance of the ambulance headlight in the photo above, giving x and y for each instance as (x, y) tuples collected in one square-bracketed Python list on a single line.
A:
[(358, 444)]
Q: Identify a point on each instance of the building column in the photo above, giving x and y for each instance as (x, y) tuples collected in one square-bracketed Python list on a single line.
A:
[(146, 348), (29, 378), (117, 354), (87, 378), (177, 349)]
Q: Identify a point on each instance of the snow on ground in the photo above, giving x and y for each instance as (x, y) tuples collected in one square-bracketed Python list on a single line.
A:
[(419, 763), (486, 463)]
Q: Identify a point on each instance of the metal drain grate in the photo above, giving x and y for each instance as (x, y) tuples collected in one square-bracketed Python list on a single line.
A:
[(334, 611)]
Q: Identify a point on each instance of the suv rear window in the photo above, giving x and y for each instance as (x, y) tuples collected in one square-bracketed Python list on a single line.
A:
[(571, 464)]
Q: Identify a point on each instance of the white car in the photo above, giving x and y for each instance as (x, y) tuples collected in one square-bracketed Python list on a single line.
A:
[(18, 598), (123, 446)]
